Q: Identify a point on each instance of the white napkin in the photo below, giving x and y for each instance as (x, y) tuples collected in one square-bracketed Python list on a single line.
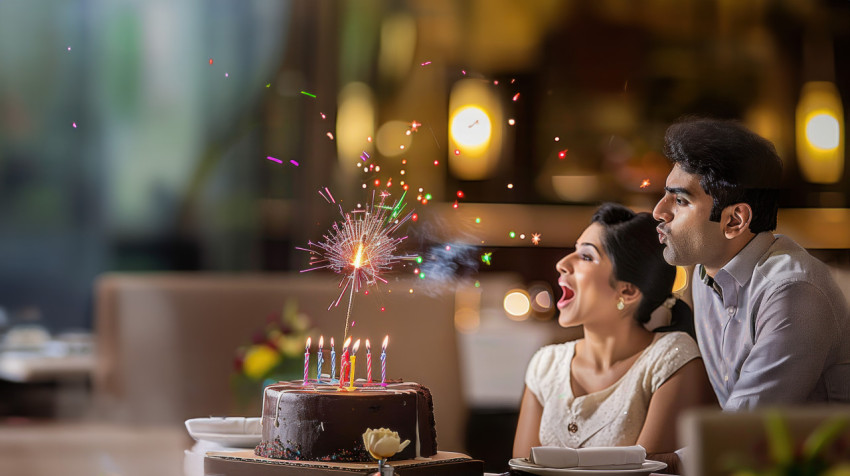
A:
[(224, 425), (604, 457)]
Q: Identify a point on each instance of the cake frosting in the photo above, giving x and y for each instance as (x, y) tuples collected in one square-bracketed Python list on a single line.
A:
[(323, 422)]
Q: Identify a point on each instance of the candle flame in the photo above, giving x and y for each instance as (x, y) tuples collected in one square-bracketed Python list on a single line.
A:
[(321, 342), (386, 341), (308, 344), (356, 346), (359, 255), (368, 347), (347, 343), (332, 342)]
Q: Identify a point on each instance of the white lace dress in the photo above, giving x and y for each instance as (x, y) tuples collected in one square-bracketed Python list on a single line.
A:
[(610, 417)]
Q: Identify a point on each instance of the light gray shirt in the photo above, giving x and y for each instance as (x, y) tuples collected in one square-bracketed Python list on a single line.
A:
[(774, 328)]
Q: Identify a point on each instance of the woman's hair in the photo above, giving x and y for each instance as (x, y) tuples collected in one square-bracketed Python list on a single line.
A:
[(734, 165), (631, 242)]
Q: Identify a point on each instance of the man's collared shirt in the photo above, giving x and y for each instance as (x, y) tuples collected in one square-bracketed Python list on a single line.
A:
[(773, 327)]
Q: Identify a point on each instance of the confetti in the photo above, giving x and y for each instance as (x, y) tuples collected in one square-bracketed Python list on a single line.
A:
[(274, 160), (454, 205), (293, 162), (323, 115), (463, 71), (414, 126), (557, 139), (457, 151), (486, 257), (268, 85), (460, 194), (211, 61), (226, 75), (69, 49), (516, 97), (512, 234), (425, 63), (511, 122), (645, 183), (436, 163), (74, 124), (364, 156), (330, 136), (535, 238), (563, 154), (308, 94)]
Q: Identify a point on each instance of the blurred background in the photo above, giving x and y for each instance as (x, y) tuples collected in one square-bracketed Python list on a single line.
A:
[(140, 136)]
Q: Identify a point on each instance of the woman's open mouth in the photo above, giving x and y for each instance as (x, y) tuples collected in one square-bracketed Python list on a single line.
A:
[(566, 297)]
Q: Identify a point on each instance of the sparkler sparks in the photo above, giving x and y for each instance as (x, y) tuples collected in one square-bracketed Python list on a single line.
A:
[(360, 247), (645, 183)]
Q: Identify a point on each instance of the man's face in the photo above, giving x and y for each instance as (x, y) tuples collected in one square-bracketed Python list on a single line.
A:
[(685, 230)]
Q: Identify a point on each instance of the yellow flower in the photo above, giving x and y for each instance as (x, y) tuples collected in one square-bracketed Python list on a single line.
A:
[(383, 443), (259, 359)]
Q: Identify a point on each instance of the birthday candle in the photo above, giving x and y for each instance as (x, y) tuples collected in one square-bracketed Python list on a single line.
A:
[(306, 360), (343, 362), (368, 362), (351, 373), (384, 361), (320, 359), (333, 360)]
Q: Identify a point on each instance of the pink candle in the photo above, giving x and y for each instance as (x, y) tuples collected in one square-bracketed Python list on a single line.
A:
[(343, 362), (384, 361), (306, 360), (368, 362)]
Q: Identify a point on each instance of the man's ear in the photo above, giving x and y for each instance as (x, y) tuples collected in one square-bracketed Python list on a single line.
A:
[(736, 220), (630, 293)]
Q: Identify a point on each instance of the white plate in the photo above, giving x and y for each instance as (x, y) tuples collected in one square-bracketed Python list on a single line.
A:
[(234, 432), (522, 464)]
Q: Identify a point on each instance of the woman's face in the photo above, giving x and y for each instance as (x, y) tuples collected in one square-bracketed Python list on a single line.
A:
[(585, 280)]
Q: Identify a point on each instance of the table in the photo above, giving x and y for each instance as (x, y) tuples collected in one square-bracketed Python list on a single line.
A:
[(90, 448)]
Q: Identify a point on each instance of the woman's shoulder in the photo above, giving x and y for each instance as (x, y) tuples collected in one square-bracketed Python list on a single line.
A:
[(547, 358), (676, 339)]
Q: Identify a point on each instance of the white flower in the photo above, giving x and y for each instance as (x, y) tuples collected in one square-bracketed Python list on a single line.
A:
[(383, 442)]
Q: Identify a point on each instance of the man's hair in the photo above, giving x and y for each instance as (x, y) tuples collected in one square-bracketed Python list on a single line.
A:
[(734, 164)]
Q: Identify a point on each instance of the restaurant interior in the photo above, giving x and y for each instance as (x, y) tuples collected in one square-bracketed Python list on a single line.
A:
[(172, 174)]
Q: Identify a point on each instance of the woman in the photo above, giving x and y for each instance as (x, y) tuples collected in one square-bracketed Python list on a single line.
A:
[(621, 384)]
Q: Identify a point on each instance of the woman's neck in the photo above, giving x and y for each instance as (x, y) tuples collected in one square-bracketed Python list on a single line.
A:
[(605, 346)]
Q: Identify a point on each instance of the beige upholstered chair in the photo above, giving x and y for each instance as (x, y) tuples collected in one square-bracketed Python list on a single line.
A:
[(166, 342)]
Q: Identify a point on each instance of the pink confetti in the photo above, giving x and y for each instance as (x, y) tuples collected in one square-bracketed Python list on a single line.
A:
[(274, 160), (69, 48), (293, 162), (463, 71), (364, 156), (516, 97), (330, 136), (425, 63), (226, 75), (74, 124), (457, 151), (323, 115)]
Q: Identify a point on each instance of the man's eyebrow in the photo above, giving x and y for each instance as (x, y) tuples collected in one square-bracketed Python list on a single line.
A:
[(678, 191)]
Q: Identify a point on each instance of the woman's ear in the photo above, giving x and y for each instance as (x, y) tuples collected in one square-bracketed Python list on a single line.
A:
[(630, 293), (736, 220)]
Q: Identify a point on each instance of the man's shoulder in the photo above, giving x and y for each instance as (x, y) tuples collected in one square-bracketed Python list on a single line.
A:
[(787, 263)]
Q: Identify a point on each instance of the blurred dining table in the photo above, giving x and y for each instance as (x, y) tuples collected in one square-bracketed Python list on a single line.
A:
[(88, 448)]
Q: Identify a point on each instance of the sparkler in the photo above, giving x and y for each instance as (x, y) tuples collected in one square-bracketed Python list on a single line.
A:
[(360, 247)]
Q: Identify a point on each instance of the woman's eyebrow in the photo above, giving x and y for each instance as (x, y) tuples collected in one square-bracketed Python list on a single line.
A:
[(588, 244)]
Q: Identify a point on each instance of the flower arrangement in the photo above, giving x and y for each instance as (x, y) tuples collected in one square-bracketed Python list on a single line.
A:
[(276, 353), (383, 443), (825, 451)]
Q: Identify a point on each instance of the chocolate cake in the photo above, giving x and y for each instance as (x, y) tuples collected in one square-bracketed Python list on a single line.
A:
[(321, 422)]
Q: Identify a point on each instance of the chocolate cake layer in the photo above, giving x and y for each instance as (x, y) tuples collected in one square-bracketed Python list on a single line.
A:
[(324, 422)]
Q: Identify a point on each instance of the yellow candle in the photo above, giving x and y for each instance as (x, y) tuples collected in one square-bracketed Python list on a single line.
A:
[(351, 374)]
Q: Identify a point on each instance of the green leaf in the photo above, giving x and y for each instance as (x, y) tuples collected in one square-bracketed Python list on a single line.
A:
[(823, 435), (779, 438)]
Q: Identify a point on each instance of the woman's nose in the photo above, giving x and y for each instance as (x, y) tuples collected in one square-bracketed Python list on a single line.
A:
[(564, 266)]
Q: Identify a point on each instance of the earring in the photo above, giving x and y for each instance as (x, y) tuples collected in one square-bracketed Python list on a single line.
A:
[(621, 304)]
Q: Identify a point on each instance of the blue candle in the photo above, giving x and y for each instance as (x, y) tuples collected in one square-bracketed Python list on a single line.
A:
[(320, 359), (333, 360)]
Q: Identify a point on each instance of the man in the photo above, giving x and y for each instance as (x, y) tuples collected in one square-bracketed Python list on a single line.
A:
[(771, 323)]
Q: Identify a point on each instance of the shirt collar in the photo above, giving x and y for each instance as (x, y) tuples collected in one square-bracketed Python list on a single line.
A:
[(742, 264)]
